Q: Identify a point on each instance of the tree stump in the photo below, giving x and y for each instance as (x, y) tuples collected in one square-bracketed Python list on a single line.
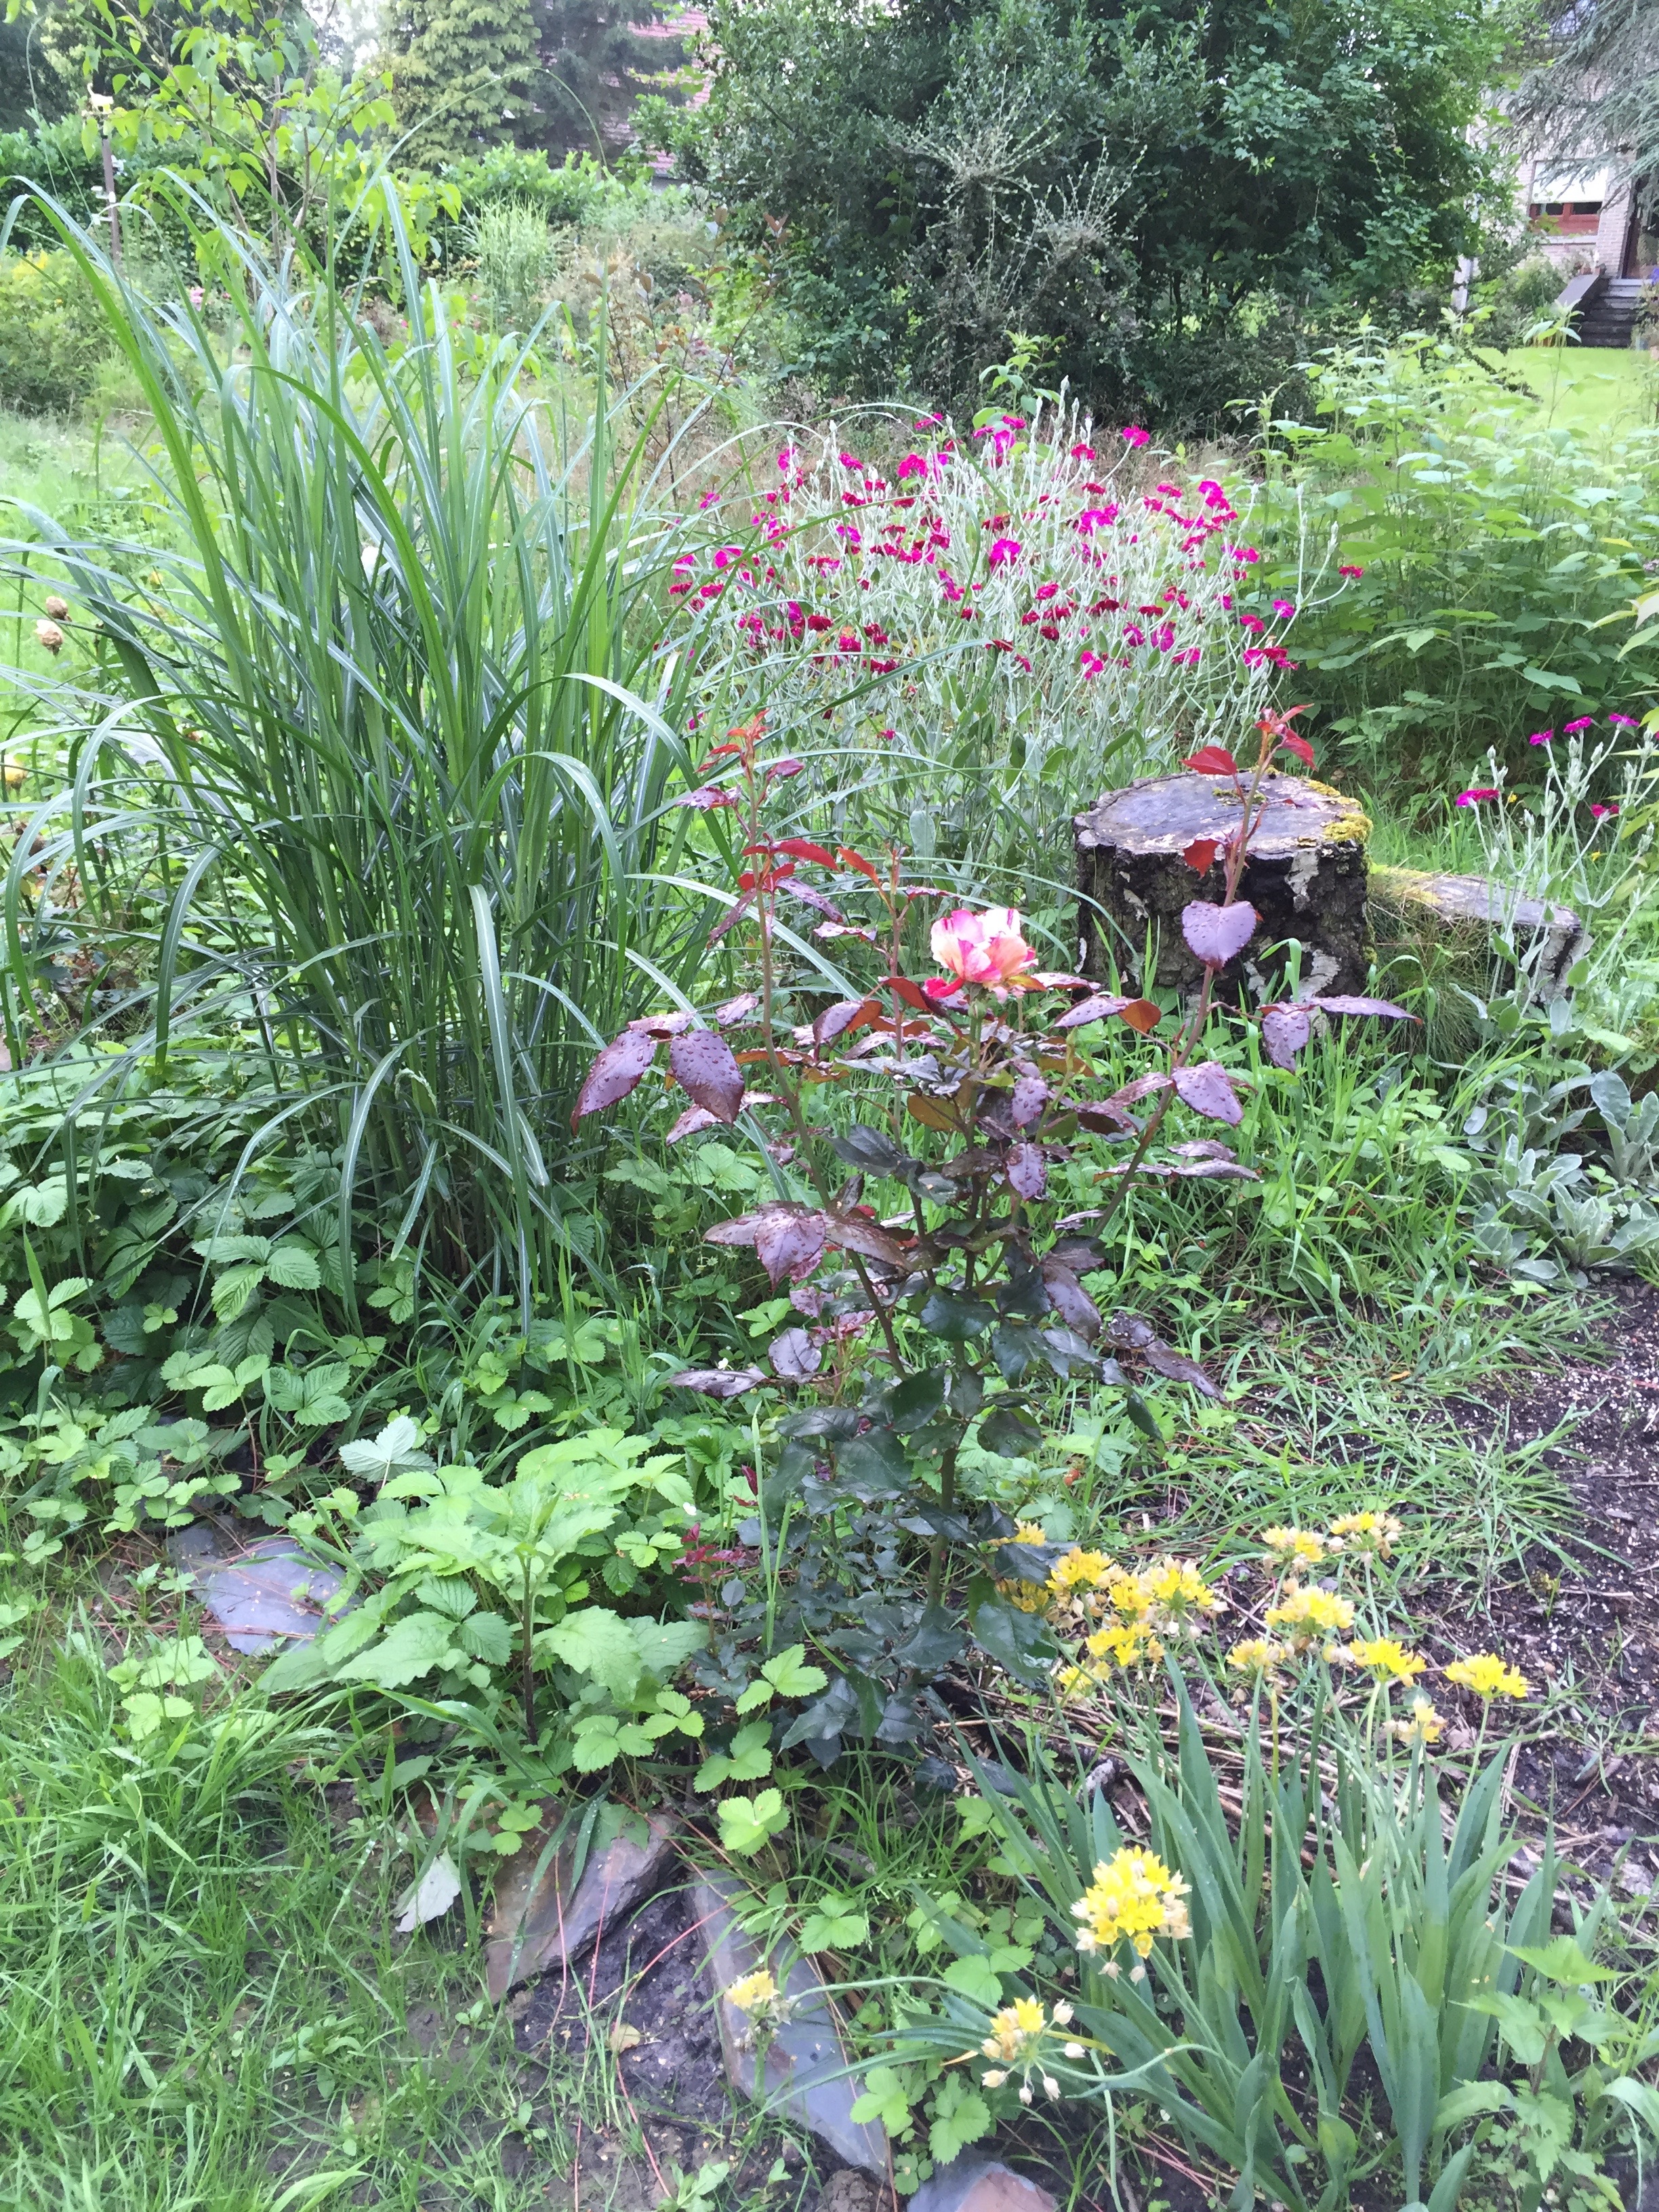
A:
[(1466, 920), (1305, 877)]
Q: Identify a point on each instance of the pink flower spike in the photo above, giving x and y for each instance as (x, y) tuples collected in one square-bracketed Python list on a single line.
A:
[(1135, 436), (1541, 738), (1585, 722), (1003, 548), (986, 948), (1284, 608), (1470, 798)]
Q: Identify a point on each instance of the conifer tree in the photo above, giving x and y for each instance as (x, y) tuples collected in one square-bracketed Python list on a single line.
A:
[(462, 73)]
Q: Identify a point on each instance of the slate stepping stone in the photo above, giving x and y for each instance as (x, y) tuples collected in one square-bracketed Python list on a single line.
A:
[(979, 2184), (260, 1596), (804, 2055), (551, 1924)]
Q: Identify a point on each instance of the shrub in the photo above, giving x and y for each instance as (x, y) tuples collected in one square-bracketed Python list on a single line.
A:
[(52, 334)]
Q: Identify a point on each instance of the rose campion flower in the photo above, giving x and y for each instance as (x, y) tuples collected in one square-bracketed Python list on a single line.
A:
[(195, 295), (1003, 548), (986, 948), (1473, 798), (1615, 721), (1135, 436), (1541, 738)]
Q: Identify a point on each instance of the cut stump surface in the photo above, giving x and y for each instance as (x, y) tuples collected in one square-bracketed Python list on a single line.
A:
[(1305, 877)]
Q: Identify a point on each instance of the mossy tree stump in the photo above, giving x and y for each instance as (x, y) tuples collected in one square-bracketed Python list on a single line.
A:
[(1305, 877)]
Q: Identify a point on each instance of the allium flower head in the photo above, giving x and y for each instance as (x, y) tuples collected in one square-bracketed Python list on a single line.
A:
[(1308, 1614), (755, 1993), (1389, 1661), (1295, 1547), (1133, 1894), (1126, 1643), (1366, 1532), (1421, 1725), (1487, 1675), (986, 948), (1255, 1656)]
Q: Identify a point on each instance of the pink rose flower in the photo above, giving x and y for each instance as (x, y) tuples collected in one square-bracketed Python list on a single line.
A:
[(986, 948)]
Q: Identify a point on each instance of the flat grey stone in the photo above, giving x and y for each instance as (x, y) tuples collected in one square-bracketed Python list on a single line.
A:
[(550, 1924), (1474, 906), (805, 2060), (980, 2185), (261, 1595)]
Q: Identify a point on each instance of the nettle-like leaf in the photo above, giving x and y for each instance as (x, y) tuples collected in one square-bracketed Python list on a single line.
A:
[(1215, 934)]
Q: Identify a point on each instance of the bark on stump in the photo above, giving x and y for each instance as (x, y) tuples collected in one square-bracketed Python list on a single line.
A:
[(1305, 877)]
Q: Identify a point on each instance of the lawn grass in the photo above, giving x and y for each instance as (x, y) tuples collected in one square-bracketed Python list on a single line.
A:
[(1589, 388)]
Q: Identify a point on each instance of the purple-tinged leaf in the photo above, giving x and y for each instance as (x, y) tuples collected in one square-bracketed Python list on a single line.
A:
[(1203, 1148), (1283, 1032), (779, 771), (816, 900), (854, 1234), (1052, 980), (794, 1356), (1210, 1170), (663, 1025), (1027, 1100), (736, 1009), (1130, 1333), (1385, 1007), (1070, 1300), (1207, 1089), (1143, 1087), (1096, 1008), (1217, 934), (807, 1298), (734, 913), (693, 1119), (703, 1067), (788, 1242), (1178, 1368), (1107, 1121), (615, 1073), (707, 798), (829, 1025), (1027, 1170), (717, 1381)]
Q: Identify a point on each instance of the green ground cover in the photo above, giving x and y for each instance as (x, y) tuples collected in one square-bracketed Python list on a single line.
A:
[(930, 1534)]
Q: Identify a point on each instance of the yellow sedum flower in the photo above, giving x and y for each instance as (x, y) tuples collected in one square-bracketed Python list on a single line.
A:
[(1422, 1725), (1389, 1661), (1255, 1656), (755, 1993), (1487, 1675), (1308, 1614), (1294, 1547), (1133, 1895), (1366, 1532)]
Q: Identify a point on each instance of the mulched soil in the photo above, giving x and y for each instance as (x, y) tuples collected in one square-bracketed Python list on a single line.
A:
[(1588, 1631)]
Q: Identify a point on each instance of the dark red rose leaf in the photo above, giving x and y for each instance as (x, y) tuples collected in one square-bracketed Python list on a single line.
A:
[(807, 1298), (1283, 1032), (663, 1025), (853, 1235), (1027, 1170), (735, 1010), (1203, 1148), (1142, 1087), (734, 913), (1142, 1015), (1217, 934), (1027, 1100), (693, 1119), (703, 1065), (1178, 1368), (1130, 1333), (779, 771), (1097, 1008), (717, 1381), (857, 860), (788, 1242), (1207, 1089), (1384, 1007), (707, 798), (740, 1230), (1052, 980), (615, 1073), (816, 900), (909, 994), (834, 1020), (1070, 1300), (1199, 855), (803, 849), (794, 1356), (1210, 1170), (1211, 760), (1299, 746), (1106, 1121)]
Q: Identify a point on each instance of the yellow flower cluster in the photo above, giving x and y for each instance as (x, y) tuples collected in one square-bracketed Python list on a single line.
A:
[(1389, 1661), (1366, 1532), (1133, 1895), (1294, 1547), (1017, 2033), (1306, 1615), (1422, 1724), (1030, 1597), (755, 1993), (1487, 1675)]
